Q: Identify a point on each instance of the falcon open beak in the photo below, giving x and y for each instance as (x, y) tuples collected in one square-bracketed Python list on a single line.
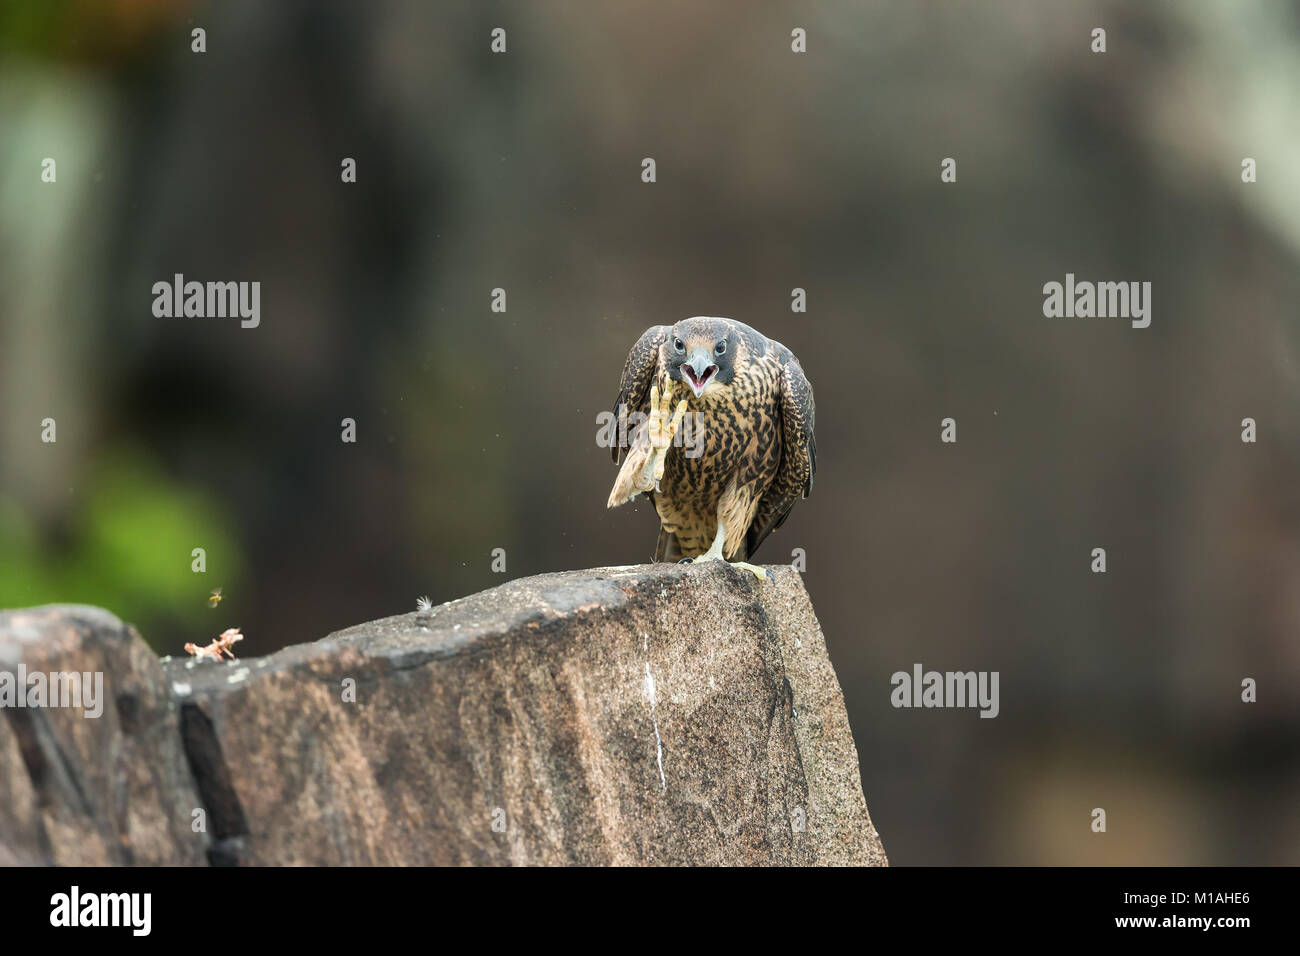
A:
[(698, 371)]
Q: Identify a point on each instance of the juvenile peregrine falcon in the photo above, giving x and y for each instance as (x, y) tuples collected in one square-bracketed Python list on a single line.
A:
[(726, 480)]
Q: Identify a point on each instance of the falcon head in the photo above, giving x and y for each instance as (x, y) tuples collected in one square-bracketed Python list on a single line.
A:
[(701, 352)]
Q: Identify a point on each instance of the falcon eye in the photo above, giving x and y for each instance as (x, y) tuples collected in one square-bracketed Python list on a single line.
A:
[(678, 345), (720, 347)]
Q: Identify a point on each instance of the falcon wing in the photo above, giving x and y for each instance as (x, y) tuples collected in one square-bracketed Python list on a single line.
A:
[(638, 374), (794, 475)]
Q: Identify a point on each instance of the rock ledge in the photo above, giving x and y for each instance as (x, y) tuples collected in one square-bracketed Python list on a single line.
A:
[(655, 714)]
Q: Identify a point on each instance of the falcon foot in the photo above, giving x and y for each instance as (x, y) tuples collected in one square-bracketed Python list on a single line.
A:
[(661, 427), (644, 465), (758, 572)]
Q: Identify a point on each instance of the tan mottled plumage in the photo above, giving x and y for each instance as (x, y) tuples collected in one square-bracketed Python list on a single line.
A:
[(757, 454)]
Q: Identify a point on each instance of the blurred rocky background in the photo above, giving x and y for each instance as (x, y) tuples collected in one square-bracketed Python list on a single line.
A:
[(776, 170)]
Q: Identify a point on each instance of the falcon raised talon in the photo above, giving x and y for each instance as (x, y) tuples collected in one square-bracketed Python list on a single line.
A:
[(751, 456), (661, 427)]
